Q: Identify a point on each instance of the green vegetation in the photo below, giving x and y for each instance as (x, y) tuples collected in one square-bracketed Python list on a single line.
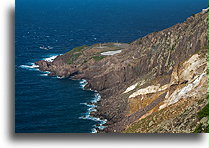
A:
[(134, 127), (198, 129), (203, 112), (98, 58), (201, 129), (74, 54), (77, 49), (73, 58)]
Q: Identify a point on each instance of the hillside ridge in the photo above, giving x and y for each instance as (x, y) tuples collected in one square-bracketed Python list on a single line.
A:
[(142, 80)]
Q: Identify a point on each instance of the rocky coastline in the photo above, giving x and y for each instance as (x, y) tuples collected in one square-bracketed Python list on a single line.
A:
[(147, 81)]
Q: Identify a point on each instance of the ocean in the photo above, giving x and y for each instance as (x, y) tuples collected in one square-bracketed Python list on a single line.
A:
[(45, 29)]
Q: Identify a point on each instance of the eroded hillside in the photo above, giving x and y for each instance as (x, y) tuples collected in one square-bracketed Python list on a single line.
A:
[(157, 83)]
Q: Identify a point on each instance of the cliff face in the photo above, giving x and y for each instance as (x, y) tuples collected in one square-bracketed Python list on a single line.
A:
[(157, 83)]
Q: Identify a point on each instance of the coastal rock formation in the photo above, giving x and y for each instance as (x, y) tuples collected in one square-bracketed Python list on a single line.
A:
[(157, 83)]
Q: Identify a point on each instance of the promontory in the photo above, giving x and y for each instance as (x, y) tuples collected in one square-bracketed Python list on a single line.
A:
[(155, 84)]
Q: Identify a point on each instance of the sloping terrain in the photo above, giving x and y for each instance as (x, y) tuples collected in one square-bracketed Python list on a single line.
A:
[(157, 83)]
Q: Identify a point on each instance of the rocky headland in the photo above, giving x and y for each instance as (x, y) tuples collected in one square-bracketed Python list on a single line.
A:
[(156, 84)]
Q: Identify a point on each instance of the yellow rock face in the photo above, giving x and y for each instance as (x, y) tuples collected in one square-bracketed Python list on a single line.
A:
[(188, 79)]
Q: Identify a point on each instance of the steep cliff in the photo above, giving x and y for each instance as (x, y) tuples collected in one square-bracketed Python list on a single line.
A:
[(157, 83)]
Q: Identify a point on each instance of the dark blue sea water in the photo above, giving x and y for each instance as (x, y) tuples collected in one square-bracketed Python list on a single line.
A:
[(52, 105)]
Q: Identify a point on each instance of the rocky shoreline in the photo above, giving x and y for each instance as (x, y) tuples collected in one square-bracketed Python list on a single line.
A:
[(92, 109), (143, 78)]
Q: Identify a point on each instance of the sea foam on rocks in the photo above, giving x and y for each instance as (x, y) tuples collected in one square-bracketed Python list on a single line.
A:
[(92, 108)]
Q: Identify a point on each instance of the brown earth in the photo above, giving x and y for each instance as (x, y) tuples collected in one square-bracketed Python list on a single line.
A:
[(161, 65)]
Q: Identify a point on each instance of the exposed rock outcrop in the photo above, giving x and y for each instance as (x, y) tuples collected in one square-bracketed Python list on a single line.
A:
[(186, 94), (162, 73)]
